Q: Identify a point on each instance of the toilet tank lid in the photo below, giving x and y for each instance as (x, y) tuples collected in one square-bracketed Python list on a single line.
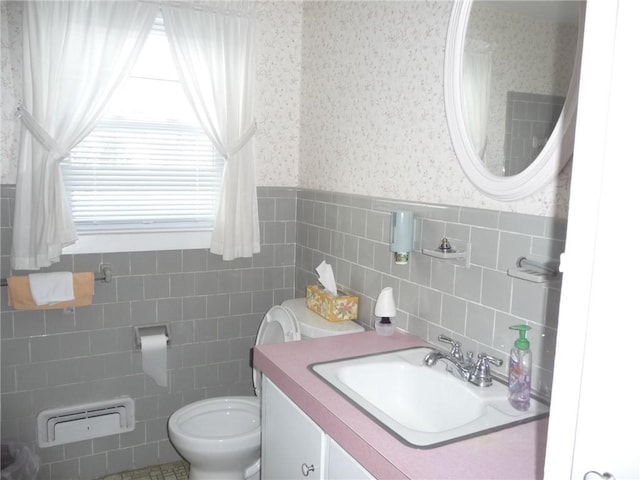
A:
[(313, 325)]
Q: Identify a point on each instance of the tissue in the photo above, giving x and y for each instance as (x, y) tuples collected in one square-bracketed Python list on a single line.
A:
[(326, 278), (154, 357)]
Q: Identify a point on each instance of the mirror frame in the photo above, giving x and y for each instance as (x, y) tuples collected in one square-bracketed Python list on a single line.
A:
[(554, 155)]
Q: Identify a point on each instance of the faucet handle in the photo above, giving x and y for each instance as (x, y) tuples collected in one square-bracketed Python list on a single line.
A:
[(445, 339), (456, 347), (481, 375), (496, 361)]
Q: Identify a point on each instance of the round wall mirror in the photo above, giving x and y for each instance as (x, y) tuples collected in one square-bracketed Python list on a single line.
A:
[(511, 87)]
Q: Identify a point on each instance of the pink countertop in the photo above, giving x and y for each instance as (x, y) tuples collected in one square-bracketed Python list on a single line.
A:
[(513, 453)]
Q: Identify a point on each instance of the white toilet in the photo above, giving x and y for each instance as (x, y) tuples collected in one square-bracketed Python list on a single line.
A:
[(220, 437)]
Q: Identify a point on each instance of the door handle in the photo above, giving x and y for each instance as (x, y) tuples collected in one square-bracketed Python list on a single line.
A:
[(593, 475)]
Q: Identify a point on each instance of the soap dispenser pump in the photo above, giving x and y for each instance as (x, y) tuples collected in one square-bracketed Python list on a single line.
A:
[(520, 370)]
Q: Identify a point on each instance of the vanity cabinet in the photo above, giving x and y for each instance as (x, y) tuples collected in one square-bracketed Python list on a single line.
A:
[(293, 446), (341, 465)]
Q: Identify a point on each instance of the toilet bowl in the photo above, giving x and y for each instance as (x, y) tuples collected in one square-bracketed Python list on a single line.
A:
[(220, 437)]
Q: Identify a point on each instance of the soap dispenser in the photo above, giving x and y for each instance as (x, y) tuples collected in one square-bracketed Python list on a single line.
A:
[(385, 308), (520, 370)]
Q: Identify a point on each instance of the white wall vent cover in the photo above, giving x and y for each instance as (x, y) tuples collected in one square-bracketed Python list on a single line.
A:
[(58, 426)]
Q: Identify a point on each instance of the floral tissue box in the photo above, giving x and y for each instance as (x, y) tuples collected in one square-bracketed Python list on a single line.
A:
[(335, 309)]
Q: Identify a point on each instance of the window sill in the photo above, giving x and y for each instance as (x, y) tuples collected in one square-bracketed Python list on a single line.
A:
[(138, 242)]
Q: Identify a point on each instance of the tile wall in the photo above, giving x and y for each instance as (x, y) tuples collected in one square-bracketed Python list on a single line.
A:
[(530, 119), (213, 308), (475, 305), (51, 359)]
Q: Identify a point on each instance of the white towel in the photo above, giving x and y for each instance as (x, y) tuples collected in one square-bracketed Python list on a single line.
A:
[(51, 288)]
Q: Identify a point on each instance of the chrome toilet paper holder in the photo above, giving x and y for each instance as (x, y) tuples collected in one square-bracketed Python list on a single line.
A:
[(144, 330)]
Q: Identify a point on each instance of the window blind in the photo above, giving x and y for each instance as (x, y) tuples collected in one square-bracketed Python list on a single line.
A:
[(128, 175)]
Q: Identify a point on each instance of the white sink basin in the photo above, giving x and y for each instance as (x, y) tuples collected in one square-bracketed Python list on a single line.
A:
[(423, 406)]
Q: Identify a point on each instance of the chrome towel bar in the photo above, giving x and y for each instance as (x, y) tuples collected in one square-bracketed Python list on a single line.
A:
[(104, 276)]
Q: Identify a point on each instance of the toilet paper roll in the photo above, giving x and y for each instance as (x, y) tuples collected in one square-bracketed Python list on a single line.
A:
[(154, 357)]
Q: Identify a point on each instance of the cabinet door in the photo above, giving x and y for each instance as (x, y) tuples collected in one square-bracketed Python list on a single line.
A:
[(292, 444), (342, 466)]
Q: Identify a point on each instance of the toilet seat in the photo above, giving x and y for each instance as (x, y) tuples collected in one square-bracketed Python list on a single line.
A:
[(278, 325), (234, 418)]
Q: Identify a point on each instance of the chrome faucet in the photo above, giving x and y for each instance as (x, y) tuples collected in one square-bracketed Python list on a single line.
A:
[(462, 369), (478, 373), (455, 358)]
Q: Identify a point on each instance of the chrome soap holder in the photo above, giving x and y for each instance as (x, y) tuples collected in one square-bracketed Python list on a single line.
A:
[(451, 249), (536, 271)]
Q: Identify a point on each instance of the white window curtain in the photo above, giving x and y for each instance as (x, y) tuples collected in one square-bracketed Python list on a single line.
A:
[(75, 56), (215, 56), (476, 91)]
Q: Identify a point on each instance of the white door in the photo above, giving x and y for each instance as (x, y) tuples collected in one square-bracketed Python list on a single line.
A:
[(595, 408)]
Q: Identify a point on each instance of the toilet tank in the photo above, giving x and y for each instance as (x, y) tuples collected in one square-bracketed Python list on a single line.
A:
[(313, 325)]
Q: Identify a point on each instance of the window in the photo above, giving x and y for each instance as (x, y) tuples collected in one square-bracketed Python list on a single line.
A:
[(147, 166)]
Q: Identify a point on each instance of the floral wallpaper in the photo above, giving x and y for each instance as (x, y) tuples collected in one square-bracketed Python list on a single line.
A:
[(10, 86), (279, 82), (350, 100), (373, 116)]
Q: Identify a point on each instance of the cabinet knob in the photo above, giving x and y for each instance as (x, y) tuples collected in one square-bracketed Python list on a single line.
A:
[(307, 469)]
